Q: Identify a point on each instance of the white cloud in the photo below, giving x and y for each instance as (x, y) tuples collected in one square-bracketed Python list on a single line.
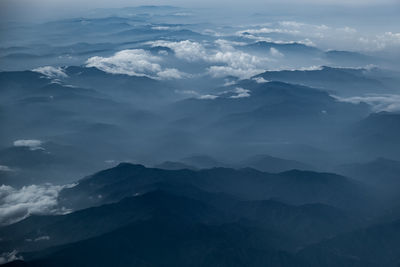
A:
[(163, 53), (381, 41), (135, 62), (187, 50), (228, 44), (309, 68), (229, 83), (267, 31), (172, 73), (9, 256), (161, 28), (275, 52), (379, 102), (323, 36), (51, 72), (31, 143), (17, 204), (241, 93), (294, 24), (207, 97), (260, 80), (228, 60)]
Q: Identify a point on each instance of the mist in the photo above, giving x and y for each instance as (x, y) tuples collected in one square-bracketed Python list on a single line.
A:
[(186, 128)]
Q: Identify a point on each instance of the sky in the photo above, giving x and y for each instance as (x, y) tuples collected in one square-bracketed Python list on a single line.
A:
[(42, 9)]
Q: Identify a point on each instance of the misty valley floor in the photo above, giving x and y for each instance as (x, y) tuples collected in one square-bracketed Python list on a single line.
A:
[(167, 136)]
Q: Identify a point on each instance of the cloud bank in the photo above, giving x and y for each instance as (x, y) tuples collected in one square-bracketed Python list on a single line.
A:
[(224, 59), (379, 102), (135, 62), (17, 204), (321, 35)]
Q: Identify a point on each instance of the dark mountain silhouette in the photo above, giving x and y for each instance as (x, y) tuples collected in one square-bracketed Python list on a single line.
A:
[(202, 161), (298, 187), (291, 48), (272, 164), (205, 220), (265, 148), (374, 246), (161, 242), (174, 165)]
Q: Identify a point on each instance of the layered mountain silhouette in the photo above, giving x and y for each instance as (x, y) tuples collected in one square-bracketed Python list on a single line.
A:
[(213, 217), (177, 214), (165, 136), (342, 81)]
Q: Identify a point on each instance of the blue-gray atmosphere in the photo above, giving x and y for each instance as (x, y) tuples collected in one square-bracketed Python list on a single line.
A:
[(200, 133)]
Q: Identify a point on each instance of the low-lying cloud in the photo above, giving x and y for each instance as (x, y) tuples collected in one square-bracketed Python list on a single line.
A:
[(321, 35), (221, 59), (135, 62), (379, 102), (33, 144), (241, 92), (187, 50), (17, 204), (224, 59), (9, 257), (51, 72)]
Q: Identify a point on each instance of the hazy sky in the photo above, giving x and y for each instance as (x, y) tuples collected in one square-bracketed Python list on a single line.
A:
[(42, 6), (21, 10)]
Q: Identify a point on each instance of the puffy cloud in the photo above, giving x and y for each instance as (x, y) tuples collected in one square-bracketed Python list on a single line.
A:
[(17, 204), (260, 80), (381, 41), (227, 59), (238, 59), (236, 63), (379, 102), (9, 256), (135, 62), (187, 50), (31, 143), (241, 92), (51, 72)]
